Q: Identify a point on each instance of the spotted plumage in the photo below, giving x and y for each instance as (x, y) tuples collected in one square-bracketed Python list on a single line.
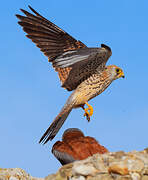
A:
[(80, 68)]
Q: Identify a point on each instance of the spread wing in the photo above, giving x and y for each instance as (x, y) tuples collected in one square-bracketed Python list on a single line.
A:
[(51, 40), (83, 62), (70, 58)]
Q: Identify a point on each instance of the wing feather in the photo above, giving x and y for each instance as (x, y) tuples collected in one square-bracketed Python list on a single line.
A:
[(73, 61), (41, 31), (83, 67), (51, 39)]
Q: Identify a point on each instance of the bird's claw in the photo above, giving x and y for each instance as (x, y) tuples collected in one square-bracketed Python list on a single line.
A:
[(88, 111), (87, 114)]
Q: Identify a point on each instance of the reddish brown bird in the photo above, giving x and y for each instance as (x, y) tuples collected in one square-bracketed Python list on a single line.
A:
[(75, 146), (80, 68)]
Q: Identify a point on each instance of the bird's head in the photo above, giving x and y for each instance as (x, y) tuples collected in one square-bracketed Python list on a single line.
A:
[(115, 72)]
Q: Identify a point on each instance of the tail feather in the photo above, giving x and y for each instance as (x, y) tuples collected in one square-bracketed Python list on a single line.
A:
[(56, 125)]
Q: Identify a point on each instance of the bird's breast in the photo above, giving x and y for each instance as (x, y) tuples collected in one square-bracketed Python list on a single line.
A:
[(91, 87)]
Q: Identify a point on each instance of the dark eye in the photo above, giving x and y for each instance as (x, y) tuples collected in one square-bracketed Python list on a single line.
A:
[(117, 70)]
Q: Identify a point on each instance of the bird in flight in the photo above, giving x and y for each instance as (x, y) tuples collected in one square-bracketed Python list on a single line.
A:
[(79, 67)]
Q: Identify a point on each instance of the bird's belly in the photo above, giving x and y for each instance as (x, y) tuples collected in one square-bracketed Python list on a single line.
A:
[(89, 91), (84, 95), (81, 100)]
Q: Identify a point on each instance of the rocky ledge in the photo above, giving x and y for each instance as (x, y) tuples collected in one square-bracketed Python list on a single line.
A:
[(113, 165)]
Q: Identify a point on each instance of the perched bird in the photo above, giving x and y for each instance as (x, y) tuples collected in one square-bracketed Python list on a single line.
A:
[(75, 146), (80, 68)]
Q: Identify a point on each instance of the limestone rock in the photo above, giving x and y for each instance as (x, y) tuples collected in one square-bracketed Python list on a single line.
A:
[(109, 166), (15, 174)]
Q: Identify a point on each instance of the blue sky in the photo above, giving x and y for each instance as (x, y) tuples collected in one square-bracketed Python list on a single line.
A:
[(30, 92)]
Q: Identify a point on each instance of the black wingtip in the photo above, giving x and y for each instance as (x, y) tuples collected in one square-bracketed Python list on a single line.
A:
[(17, 15), (46, 137), (34, 11), (42, 140), (22, 10), (31, 8), (106, 47)]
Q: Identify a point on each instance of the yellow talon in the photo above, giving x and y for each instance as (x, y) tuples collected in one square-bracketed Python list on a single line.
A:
[(88, 111)]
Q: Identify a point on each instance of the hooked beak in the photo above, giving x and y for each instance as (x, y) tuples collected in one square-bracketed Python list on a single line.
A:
[(122, 74)]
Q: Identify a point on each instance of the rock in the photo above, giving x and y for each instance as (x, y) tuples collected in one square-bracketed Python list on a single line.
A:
[(83, 169), (109, 166), (118, 168), (77, 178), (15, 174), (144, 178), (135, 176)]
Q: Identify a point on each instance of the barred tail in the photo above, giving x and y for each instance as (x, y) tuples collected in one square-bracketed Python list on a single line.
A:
[(56, 124)]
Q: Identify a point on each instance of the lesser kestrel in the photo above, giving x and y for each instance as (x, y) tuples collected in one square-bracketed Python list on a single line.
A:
[(79, 67)]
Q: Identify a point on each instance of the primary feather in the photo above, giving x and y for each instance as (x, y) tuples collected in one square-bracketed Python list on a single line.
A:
[(68, 55)]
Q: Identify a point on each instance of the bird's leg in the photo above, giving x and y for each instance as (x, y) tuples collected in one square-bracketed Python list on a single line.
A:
[(88, 118), (88, 111)]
